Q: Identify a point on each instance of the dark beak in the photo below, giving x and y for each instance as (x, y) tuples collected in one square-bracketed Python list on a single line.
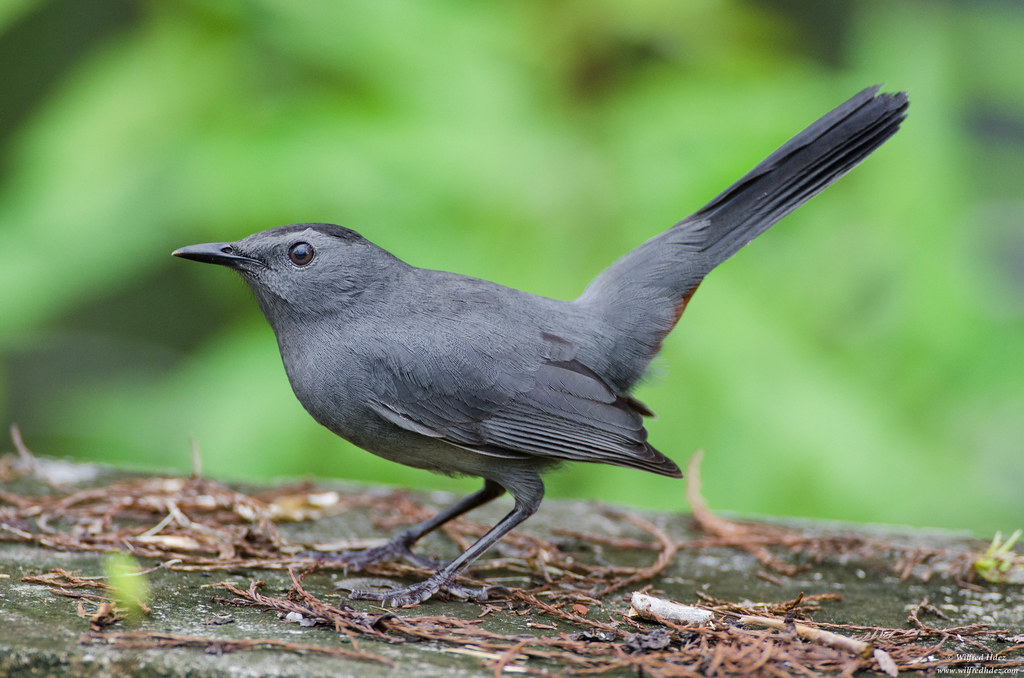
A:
[(222, 253)]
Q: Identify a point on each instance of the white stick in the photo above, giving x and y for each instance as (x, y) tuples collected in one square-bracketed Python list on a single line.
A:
[(654, 609)]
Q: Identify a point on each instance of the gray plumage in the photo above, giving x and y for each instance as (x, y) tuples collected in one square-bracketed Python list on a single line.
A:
[(463, 376)]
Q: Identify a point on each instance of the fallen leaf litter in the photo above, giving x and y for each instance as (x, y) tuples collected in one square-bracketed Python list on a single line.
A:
[(196, 524)]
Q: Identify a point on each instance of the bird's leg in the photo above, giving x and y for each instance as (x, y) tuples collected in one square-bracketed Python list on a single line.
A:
[(400, 546), (443, 581)]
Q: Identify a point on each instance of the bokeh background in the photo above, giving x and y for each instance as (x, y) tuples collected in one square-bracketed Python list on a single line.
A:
[(863, 361)]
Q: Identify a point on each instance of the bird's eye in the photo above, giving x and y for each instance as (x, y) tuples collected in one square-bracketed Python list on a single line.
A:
[(301, 253)]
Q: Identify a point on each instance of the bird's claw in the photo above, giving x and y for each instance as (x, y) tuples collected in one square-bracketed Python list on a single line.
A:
[(417, 593)]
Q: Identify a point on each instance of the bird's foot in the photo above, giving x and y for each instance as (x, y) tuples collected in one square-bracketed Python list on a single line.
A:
[(439, 584), (396, 549)]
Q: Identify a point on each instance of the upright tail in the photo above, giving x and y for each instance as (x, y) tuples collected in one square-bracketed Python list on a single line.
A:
[(641, 296)]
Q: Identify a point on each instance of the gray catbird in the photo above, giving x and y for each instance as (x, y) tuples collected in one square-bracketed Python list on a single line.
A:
[(463, 376)]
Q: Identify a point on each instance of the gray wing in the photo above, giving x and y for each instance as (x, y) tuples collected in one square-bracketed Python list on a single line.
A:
[(551, 406)]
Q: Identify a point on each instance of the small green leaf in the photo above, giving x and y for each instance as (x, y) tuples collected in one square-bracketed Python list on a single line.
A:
[(130, 587)]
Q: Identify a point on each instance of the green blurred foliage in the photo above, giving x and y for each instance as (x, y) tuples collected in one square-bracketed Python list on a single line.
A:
[(861, 361), (128, 585)]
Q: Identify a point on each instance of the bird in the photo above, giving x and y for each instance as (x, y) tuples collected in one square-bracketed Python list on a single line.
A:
[(462, 376)]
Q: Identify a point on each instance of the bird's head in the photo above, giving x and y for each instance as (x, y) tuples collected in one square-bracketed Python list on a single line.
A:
[(304, 270)]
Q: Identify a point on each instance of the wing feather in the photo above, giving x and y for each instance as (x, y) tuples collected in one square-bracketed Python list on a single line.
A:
[(556, 408)]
